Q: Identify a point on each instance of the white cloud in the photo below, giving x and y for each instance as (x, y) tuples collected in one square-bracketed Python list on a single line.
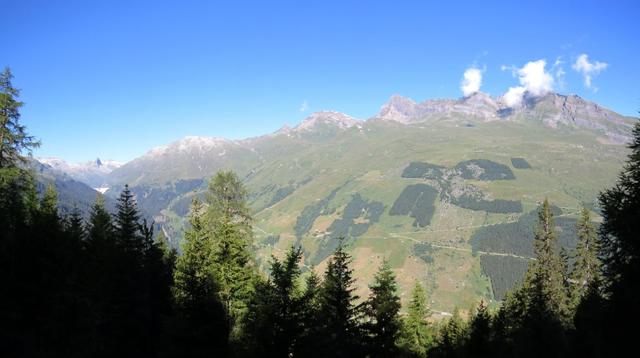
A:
[(559, 72), (513, 97), (471, 82), (588, 69), (533, 78), (304, 106), (511, 68)]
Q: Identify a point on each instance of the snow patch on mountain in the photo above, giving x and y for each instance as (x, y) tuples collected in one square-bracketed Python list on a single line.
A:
[(92, 173), (192, 144)]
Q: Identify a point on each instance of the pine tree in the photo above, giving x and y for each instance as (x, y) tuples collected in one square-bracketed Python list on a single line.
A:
[(383, 307), (309, 345), (620, 250), (416, 338), (274, 322), (100, 228), (227, 202), (229, 223), (452, 337), (194, 280), (13, 137), (340, 329), (75, 225), (587, 266), (480, 342), (547, 280), (127, 224), (540, 327), (134, 306), (49, 202), (201, 326)]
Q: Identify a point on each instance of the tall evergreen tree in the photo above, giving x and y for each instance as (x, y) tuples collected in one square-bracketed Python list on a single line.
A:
[(308, 342), (274, 321), (127, 224), (383, 307), (229, 223), (201, 326), (548, 292), (14, 140), (100, 227), (541, 329), (75, 225), (620, 249), (585, 274), (452, 337), (416, 339), (232, 268), (479, 343), (49, 203), (340, 330), (227, 202), (99, 280)]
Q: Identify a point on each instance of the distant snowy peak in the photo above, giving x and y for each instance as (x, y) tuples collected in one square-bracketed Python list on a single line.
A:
[(92, 173), (192, 144), (104, 166), (341, 120)]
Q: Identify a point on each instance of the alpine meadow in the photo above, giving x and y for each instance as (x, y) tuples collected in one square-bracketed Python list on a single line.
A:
[(498, 223)]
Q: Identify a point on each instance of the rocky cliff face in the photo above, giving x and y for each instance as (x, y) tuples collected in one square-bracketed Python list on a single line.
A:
[(552, 109)]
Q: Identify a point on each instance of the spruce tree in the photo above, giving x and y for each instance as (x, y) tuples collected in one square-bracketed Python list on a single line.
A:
[(548, 292), (274, 320), (585, 274), (201, 326), (127, 224), (620, 249), (479, 343), (340, 330), (49, 202), (229, 224), (416, 339), (452, 337), (541, 328), (100, 227), (14, 140), (309, 344), (383, 307), (75, 225)]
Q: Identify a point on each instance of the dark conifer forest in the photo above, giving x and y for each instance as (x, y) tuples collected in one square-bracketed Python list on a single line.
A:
[(109, 286)]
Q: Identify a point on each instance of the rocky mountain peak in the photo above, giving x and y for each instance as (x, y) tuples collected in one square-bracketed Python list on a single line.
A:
[(399, 109), (338, 119)]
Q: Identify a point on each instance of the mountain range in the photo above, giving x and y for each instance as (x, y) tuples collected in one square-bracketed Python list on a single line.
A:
[(445, 189)]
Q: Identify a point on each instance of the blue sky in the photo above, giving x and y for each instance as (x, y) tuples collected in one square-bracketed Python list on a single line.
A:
[(112, 79)]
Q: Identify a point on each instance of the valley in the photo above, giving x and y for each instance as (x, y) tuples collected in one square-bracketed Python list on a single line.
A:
[(445, 190)]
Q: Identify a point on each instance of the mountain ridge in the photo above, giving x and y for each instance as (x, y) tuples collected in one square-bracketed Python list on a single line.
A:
[(446, 197)]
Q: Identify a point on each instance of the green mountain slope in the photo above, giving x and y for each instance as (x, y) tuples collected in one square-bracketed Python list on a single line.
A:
[(444, 190)]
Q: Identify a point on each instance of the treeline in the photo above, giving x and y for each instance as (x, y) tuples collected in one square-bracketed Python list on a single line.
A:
[(112, 287)]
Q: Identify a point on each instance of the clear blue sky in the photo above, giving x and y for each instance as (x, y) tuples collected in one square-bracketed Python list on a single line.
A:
[(115, 78)]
